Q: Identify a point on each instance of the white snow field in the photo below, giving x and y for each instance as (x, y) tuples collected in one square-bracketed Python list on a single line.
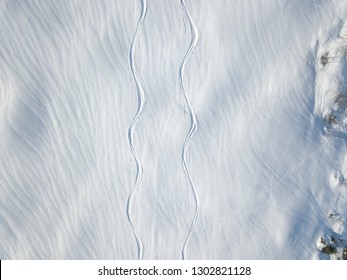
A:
[(173, 129)]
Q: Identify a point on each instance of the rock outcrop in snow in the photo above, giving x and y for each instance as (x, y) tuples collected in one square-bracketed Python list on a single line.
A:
[(331, 106)]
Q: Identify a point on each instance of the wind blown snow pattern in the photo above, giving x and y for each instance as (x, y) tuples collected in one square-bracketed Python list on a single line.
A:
[(173, 129)]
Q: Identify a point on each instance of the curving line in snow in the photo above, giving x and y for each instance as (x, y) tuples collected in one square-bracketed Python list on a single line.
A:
[(141, 103), (194, 124)]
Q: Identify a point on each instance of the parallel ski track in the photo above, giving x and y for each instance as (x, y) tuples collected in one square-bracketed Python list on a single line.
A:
[(194, 125), (141, 104)]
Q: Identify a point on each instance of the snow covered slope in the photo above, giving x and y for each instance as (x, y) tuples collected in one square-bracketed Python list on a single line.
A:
[(168, 129)]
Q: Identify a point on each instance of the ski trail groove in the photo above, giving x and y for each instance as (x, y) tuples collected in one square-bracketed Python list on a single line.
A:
[(141, 103), (194, 124)]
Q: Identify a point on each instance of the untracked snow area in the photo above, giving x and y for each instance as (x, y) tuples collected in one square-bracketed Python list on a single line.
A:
[(173, 129)]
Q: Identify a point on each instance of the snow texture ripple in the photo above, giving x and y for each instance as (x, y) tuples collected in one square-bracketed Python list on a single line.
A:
[(193, 127), (239, 152), (141, 104)]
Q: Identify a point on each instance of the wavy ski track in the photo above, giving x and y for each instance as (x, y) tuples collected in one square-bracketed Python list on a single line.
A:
[(141, 103), (193, 127)]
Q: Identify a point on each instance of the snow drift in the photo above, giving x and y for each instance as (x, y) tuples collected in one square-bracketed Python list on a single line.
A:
[(173, 129)]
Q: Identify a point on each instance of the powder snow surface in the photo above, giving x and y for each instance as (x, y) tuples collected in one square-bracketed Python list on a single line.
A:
[(175, 129)]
